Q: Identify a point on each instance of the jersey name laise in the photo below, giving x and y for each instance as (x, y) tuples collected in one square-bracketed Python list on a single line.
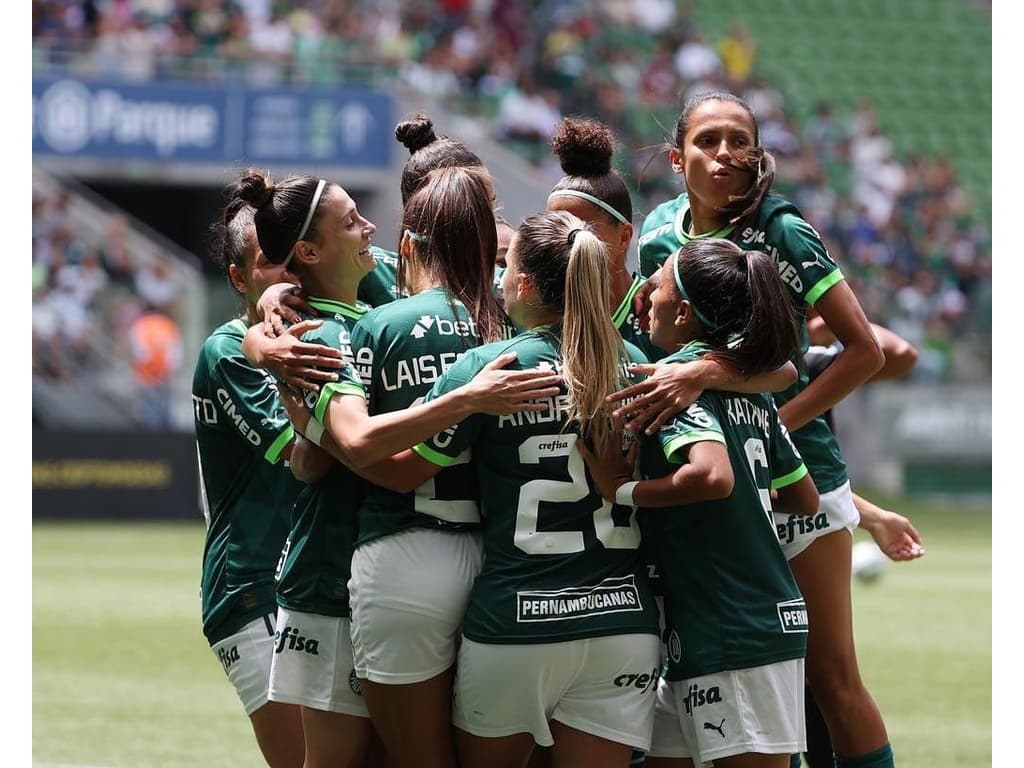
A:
[(400, 350)]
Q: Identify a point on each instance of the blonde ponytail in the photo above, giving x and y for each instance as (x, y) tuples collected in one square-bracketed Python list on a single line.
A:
[(592, 350)]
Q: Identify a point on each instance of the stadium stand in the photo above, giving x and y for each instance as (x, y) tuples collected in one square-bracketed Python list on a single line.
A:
[(880, 113)]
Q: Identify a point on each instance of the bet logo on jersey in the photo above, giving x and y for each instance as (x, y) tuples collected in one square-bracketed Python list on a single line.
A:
[(442, 326)]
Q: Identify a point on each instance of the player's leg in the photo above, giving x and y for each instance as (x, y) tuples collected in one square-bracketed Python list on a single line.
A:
[(409, 593), (278, 729), (753, 760), (819, 752), (312, 667), (247, 659), (578, 748), (515, 751), (822, 572), (540, 758), (335, 739), (414, 721)]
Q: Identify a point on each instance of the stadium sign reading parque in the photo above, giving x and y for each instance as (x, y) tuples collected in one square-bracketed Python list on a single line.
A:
[(210, 124)]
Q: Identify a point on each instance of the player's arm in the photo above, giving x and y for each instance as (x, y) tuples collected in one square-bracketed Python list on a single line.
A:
[(297, 363), (363, 440), (671, 387), (798, 498), (402, 473), (309, 463), (900, 355), (862, 358), (705, 474)]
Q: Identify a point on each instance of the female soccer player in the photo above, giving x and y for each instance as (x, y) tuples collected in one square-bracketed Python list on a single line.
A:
[(560, 643), (728, 179), (735, 617), (314, 228), (244, 440)]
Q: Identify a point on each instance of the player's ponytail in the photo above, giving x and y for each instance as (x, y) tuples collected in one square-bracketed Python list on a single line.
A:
[(743, 307), (568, 266)]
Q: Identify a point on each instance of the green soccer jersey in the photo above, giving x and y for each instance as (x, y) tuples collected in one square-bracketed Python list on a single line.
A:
[(808, 271), (381, 285), (400, 350), (560, 563), (313, 572), (628, 324), (730, 599), (247, 491)]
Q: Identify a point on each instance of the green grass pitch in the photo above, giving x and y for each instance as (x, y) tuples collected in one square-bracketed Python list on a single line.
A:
[(122, 676)]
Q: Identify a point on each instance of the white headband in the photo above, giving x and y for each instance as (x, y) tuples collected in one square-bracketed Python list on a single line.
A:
[(309, 217), (590, 199)]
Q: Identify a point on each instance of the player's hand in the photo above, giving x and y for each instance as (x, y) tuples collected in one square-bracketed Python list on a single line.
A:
[(295, 406), (301, 365), (279, 305), (668, 389), (608, 465), (498, 392), (895, 535), (642, 303)]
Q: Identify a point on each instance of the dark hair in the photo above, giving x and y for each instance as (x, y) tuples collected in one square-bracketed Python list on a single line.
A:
[(428, 152), (584, 149), (456, 240), (759, 161), (229, 234), (743, 306), (281, 210), (568, 265)]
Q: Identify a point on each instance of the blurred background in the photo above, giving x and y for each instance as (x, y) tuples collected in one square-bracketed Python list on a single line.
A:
[(879, 114)]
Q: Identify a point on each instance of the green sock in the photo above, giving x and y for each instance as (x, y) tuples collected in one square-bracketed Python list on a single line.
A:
[(880, 758)]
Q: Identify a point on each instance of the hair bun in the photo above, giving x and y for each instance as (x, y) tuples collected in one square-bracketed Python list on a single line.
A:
[(255, 188), (583, 146), (415, 132)]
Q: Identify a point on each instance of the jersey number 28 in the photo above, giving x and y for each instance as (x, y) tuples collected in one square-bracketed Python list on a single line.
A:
[(534, 542)]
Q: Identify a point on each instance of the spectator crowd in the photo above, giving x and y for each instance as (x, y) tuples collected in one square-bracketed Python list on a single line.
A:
[(900, 224)]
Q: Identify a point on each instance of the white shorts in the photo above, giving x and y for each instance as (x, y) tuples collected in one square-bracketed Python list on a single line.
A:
[(409, 593), (604, 686), (836, 511), (760, 709), (245, 657), (312, 664)]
